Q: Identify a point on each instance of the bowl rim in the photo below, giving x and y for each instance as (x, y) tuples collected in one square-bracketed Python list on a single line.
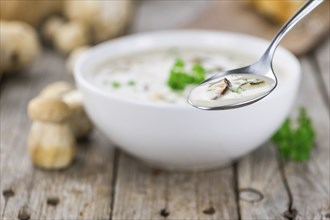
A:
[(81, 79)]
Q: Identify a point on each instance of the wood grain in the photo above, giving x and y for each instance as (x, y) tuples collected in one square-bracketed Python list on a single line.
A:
[(309, 182), (16, 91), (262, 191), (83, 191), (146, 193), (80, 192)]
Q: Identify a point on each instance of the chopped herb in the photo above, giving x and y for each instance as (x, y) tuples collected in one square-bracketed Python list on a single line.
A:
[(296, 144), (179, 78), (198, 73), (131, 83), (238, 90), (115, 84)]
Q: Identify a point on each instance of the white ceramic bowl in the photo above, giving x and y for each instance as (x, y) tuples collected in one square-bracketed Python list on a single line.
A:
[(182, 137)]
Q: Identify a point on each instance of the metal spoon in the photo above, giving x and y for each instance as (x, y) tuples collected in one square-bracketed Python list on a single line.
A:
[(263, 66)]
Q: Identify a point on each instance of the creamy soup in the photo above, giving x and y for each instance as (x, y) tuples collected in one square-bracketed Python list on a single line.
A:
[(165, 76), (231, 89)]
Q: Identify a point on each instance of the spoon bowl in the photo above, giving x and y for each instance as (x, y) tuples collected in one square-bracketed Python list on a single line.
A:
[(248, 71)]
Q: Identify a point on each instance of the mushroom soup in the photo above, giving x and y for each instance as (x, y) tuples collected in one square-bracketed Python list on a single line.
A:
[(168, 76), (231, 89)]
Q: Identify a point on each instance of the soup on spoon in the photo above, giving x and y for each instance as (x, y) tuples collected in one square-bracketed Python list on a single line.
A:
[(230, 89)]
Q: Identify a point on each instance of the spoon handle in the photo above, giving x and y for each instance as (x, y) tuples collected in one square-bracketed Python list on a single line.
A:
[(309, 6)]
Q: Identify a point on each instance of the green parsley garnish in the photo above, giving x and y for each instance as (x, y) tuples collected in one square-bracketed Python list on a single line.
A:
[(179, 78), (238, 90), (198, 73), (115, 84), (131, 83), (296, 144)]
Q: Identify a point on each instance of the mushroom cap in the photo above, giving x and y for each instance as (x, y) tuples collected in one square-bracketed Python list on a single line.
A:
[(51, 26), (48, 109), (57, 89), (17, 52), (70, 36), (73, 99)]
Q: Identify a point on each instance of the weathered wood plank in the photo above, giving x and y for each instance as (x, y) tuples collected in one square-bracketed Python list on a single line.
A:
[(262, 192), (80, 192), (309, 181), (145, 193), (83, 191), (140, 192), (16, 91), (322, 57)]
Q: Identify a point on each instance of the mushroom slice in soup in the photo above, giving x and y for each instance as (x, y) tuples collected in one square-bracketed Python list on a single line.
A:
[(221, 87), (253, 84), (231, 89)]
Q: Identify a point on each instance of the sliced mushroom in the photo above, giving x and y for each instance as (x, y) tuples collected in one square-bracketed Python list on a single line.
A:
[(252, 84), (221, 87)]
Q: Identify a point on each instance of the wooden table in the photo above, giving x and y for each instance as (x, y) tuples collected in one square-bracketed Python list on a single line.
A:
[(105, 183)]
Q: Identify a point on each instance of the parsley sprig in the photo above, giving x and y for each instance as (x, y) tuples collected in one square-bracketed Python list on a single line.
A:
[(179, 78), (296, 143)]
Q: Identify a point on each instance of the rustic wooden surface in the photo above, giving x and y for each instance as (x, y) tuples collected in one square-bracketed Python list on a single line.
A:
[(105, 183)]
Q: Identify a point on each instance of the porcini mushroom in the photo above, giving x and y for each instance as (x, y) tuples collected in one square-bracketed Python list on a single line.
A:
[(51, 142), (70, 35), (56, 89), (104, 19), (79, 121), (19, 46), (50, 27)]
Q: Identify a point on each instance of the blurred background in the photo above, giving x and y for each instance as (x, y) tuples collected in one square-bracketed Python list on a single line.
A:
[(71, 26)]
